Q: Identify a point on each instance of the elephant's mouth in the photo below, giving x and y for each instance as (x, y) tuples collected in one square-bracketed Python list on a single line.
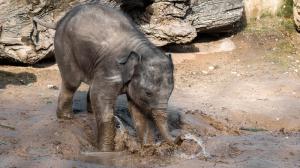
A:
[(161, 106)]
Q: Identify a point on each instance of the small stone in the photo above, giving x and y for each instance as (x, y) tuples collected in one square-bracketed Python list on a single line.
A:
[(30, 84), (53, 87), (204, 72), (211, 68), (22, 81), (56, 134), (2, 118)]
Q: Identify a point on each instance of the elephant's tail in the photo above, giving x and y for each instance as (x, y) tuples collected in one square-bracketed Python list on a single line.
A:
[(43, 23)]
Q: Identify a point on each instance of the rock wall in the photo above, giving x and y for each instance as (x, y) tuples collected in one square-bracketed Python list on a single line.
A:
[(296, 13), (16, 28), (162, 21), (257, 8), (215, 15)]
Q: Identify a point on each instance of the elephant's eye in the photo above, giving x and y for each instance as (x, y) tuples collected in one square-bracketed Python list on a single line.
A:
[(148, 93)]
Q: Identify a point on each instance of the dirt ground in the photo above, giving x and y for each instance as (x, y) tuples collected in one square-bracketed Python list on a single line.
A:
[(239, 95)]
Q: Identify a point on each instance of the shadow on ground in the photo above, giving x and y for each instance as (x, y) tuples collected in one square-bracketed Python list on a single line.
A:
[(9, 78)]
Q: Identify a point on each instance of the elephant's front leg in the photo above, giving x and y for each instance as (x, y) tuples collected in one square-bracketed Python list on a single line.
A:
[(142, 125), (103, 107), (161, 121)]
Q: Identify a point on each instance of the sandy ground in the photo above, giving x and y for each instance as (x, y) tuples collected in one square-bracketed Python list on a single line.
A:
[(239, 95)]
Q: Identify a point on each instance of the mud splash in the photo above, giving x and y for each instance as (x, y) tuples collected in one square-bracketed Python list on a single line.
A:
[(199, 142)]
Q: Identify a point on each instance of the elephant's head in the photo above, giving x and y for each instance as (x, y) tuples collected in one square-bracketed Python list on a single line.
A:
[(149, 79)]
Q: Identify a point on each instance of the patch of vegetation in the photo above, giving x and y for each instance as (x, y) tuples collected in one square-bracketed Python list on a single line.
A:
[(283, 54), (271, 26), (288, 25), (279, 32), (264, 26), (286, 10), (286, 47), (266, 14), (253, 129)]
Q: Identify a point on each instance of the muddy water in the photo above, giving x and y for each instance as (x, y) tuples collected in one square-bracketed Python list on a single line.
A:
[(35, 138)]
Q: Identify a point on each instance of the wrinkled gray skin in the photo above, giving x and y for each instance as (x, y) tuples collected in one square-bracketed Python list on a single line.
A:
[(101, 47)]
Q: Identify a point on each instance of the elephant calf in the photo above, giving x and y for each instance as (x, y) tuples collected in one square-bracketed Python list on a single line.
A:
[(101, 47)]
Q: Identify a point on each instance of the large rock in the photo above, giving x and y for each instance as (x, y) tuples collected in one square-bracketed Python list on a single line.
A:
[(215, 15), (296, 11), (16, 28), (162, 21)]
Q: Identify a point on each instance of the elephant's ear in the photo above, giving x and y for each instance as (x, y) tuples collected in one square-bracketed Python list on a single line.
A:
[(169, 55), (128, 65)]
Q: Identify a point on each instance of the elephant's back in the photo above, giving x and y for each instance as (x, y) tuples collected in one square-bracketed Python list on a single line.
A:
[(95, 22), (93, 36)]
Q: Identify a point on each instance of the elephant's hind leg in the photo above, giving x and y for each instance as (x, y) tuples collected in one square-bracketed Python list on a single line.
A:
[(65, 99)]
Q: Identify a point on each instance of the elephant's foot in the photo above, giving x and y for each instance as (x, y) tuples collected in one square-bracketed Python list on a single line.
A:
[(106, 137), (178, 140), (173, 141), (106, 148)]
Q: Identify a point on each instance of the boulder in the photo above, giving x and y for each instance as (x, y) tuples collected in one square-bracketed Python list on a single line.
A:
[(163, 22), (296, 11), (215, 15), (16, 40)]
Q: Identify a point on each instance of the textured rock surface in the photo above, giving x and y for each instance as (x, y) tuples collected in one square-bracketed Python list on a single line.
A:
[(296, 11), (162, 21), (16, 28), (215, 15)]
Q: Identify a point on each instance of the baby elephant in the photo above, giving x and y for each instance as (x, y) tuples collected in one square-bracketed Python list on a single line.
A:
[(101, 47)]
